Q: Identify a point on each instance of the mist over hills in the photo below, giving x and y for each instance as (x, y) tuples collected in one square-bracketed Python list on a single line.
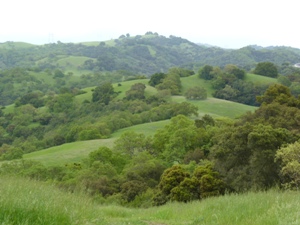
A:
[(142, 54)]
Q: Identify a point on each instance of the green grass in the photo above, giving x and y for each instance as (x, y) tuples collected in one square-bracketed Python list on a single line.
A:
[(68, 153), (218, 107), (14, 45), (257, 79), (30, 202), (192, 81), (146, 128)]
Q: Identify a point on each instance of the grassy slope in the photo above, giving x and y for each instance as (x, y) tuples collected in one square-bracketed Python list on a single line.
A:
[(14, 45), (257, 79), (31, 202)]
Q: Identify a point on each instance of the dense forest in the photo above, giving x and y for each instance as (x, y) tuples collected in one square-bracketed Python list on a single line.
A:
[(61, 93)]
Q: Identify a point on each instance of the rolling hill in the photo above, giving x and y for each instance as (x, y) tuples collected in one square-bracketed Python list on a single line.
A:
[(141, 54)]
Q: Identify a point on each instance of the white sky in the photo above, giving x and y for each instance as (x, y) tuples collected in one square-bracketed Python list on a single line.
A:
[(225, 23)]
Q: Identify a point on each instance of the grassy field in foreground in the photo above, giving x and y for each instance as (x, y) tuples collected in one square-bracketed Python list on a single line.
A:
[(30, 202)]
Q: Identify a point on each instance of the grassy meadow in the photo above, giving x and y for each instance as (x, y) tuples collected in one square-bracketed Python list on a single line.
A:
[(31, 202)]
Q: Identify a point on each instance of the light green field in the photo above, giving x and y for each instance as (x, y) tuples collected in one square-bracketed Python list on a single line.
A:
[(257, 79), (70, 152), (217, 107), (146, 128), (34, 203), (13, 45), (192, 81)]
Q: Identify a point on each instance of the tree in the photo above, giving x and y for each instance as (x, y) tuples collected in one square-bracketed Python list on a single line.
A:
[(289, 158), (196, 93), (103, 93), (205, 72), (179, 185), (131, 143), (171, 178), (276, 93), (234, 70), (267, 69), (61, 103), (245, 154), (181, 71), (137, 91), (284, 80), (156, 79), (172, 82), (177, 138)]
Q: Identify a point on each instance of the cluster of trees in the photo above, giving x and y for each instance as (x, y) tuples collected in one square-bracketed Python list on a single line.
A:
[(170, 81), (229, 83)]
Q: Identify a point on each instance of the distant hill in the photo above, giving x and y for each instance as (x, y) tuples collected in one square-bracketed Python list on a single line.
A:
[(15, 45), (143, 54)]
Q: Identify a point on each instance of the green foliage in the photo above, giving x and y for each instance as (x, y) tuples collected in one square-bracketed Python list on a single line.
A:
[(61, 103), (234, 70), (131, 189), (267, 69), (196, 93), (137, 91), (206, 72), (131, 143), (181, 72), (156, 79), (177, 184), (245, 154), (171, 82), (103, 93), (284, 80), (277, 93), (288, 157), (89, 134), (179, 137), (9, 152)]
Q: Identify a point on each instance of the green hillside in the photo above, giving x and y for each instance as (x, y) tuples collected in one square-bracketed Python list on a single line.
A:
[(257, 79), (141, 54), (15, 45), (148, 121)]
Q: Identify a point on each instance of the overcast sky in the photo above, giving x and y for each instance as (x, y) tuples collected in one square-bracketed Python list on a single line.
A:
[(225, 23)]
